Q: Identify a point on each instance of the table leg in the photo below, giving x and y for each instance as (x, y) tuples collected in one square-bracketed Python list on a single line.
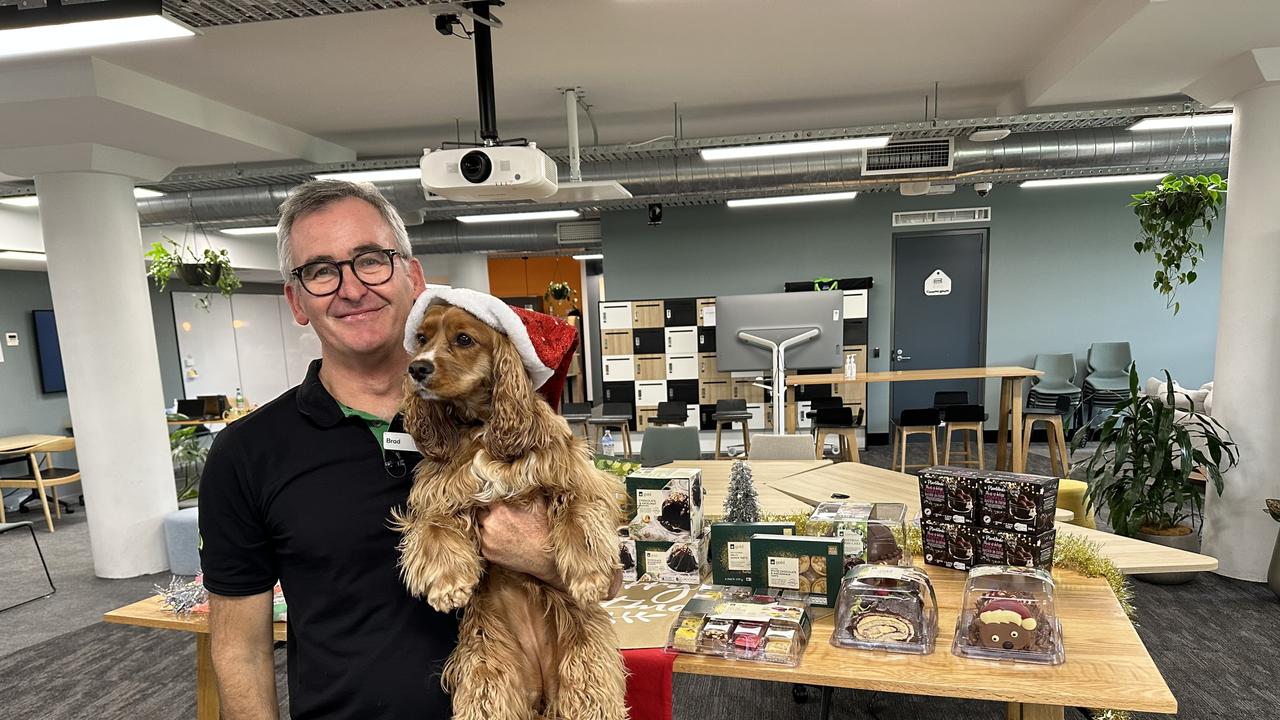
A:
[(1002, 435), (824, 709), (1016, 461), (1026, 711), (207, 706)]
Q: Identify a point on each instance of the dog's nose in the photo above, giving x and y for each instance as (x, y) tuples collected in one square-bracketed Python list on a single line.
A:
[(421, 369), (1008, 645)]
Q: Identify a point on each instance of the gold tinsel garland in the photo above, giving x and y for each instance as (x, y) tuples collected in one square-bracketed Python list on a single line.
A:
[(1070, 552)]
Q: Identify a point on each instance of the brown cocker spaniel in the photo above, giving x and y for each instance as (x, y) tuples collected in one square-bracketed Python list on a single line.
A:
[(525, 649)]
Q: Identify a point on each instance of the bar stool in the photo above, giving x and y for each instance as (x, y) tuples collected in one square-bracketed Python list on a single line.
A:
[(577, 414), (613, 415), (729, 412), (959, 416), (1059, 457), (841, 422), (918, 421)]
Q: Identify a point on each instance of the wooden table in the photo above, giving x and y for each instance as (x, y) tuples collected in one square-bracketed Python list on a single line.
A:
[(715, 483), (873, 484), (1010, 415), (1107, 665), (18, 443)]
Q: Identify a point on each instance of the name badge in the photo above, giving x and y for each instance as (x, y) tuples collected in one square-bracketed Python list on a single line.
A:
[(398, 441)]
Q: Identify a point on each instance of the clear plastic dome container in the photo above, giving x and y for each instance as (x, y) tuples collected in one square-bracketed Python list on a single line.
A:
[(873, 533), (886, 607), (1009, 614), (738, 624)]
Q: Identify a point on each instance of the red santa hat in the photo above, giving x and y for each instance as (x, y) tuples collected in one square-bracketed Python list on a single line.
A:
[(545, 343), (1004, 610)]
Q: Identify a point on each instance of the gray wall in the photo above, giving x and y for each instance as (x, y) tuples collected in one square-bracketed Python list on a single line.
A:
[(23, 407), (1062, 274)]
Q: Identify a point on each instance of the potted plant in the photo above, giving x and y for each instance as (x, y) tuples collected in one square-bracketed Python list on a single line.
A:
[(209, 269), (1273, 576), (189, 454), (1168, 217), (1142, 469), (558, 295)]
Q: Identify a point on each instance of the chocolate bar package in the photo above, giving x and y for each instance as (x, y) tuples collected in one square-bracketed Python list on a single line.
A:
[(679, 561), (730, 549), (1005, 547), (1018, 502), (809, 565), (950, 545), (949, 494), (667, 502)]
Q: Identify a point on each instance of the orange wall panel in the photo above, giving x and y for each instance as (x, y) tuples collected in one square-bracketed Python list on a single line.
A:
[(518, 277)]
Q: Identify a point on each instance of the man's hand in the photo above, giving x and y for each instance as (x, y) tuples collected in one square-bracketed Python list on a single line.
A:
[(515, 537)]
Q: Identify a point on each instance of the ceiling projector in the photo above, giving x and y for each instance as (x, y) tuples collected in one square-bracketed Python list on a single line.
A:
[(490, 173)]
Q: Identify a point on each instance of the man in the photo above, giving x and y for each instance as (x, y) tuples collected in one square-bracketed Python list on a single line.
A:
[(302, 489)]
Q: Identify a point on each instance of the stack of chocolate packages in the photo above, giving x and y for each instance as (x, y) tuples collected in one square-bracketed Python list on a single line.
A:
[(665, 538), (973, 517)]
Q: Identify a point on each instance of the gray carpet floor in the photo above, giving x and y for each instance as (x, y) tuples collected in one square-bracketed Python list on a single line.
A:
[(1217, 642)]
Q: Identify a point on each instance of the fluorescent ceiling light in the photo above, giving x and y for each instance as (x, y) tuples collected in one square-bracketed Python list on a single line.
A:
[(30, 201), (793, 148), (409, 173), (1094, 180), (262, 230), (88, 33), (519, 216), (589, 256), (22, 255), (1182, 121), (789, 199)]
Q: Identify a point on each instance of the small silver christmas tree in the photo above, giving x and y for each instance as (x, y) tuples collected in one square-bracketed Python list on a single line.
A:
[(741, 505)]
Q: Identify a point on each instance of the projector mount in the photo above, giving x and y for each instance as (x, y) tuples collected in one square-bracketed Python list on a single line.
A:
[(449, 14)]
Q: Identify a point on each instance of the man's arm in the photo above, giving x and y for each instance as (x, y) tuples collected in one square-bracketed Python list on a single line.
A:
[(516, 538), (240, 632)]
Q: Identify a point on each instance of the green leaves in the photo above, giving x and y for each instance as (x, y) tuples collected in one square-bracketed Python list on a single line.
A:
[(1146, 453), (1167, 219)]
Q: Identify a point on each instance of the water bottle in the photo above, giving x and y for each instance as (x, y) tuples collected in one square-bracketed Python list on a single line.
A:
[(239, 399), (606, 443)]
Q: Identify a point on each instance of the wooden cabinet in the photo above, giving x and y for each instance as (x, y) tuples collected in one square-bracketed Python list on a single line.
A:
[(748, 390), (648, 341), (678, 313), (615, 342), (650, 367), (685, 391), (707, 368), (647, 314), (682, 367), (710, 391), (615, 316), (618, 368), (706, 339), (681, 340), (707, 312), (650, 393)]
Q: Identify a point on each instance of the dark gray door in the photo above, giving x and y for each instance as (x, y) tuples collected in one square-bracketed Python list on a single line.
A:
[(939, 312)]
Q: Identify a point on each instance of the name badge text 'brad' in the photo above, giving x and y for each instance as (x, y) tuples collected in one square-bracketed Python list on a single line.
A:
[(398, 441)]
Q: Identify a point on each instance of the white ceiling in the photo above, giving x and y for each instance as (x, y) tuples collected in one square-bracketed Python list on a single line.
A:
[(385, 83)]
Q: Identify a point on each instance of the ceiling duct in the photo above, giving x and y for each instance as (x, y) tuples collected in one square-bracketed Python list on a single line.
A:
[(579, 233), (454, 237), (911, 156)]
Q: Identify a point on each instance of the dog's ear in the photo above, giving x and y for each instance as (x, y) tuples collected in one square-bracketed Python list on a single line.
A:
[(429, 424), (518, 421)]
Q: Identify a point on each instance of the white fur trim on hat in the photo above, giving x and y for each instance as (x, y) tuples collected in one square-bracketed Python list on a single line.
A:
[(489, 310)]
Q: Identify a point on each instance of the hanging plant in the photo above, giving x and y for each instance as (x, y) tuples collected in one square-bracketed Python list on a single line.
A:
[(1168, 217), (210, 269), (559, 295)]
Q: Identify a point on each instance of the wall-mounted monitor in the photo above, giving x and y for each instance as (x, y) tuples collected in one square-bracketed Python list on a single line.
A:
[(776, 317), (48, 352)]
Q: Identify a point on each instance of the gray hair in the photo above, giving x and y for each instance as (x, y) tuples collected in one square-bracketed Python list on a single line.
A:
[(316, 195)]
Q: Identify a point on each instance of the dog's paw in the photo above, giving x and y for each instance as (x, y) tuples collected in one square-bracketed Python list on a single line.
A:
[(446, 599), (588, 591)]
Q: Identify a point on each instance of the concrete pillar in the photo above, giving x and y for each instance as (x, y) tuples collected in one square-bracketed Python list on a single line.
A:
[(100, 297), (1246, 397)]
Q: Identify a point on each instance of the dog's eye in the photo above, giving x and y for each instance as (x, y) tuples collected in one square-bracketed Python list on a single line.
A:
[(463, 340), (422, 339)]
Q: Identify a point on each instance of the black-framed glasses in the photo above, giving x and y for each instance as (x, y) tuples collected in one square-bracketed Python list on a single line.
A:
[(324, 277)]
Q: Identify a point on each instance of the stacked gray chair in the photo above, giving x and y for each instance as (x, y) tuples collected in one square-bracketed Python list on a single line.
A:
[(1106, 381), (1058, 381)]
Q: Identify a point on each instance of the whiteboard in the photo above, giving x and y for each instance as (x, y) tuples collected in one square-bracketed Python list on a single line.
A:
[(301, 345), (206, 345), (259, 347)]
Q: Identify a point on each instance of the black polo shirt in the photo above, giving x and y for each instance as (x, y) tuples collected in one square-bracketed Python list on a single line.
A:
[(301, 492)]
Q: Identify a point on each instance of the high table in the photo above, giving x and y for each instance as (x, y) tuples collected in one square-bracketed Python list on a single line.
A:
[(1011, 377)]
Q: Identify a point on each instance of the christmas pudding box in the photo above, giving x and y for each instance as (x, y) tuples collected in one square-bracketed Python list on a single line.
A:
[(667, 501), (949, 545), (809, 565), (681, 561), (1004, 547), (871, 532), (730, 550), (1018, 502), (949, 494)]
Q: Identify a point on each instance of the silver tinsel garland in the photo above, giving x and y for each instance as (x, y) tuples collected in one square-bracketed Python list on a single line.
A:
[(181, 596)]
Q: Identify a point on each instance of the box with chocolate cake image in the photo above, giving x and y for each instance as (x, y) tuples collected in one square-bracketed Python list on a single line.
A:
[(679, 561), (1005, 547), (811, 566), (886, 607), (949, 494), (1018, 502), (730, 549), (627, 555), (949, 545), (1008, 613), (667, 503), (871, 532)]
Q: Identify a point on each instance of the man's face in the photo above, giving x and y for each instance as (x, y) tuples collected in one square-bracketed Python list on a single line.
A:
[(357, 319)]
